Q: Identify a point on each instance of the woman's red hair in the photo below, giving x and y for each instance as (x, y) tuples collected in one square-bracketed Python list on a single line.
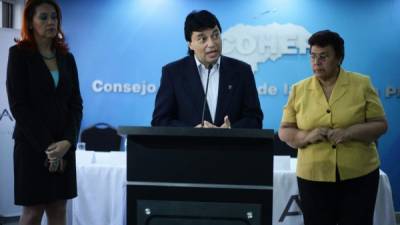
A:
[(27, 38)]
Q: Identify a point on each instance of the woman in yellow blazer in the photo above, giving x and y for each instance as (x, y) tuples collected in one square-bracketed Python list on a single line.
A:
[(334, 118)]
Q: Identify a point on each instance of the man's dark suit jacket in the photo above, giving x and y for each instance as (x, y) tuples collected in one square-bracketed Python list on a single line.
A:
[(179, 100)]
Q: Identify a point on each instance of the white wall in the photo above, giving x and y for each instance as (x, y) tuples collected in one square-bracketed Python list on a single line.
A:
[(7, 207)]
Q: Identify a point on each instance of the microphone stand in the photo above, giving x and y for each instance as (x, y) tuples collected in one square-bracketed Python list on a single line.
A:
[(205, 95)]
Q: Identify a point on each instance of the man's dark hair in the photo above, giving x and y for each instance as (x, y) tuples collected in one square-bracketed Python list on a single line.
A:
[(199, 21), (325, 38)]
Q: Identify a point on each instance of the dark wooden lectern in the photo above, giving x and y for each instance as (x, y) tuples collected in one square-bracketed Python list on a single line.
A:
[(191, 176)]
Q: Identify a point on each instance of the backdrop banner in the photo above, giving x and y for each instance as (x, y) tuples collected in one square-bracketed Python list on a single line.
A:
[(121, 46)]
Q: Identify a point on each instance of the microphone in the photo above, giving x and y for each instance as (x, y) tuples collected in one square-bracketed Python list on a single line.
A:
[(205, 95)]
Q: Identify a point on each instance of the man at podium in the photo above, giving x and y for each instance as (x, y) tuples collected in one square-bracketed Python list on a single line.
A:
[(206, 89)]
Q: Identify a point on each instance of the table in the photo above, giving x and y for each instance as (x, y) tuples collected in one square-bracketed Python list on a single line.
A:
[(286, 199), (101, 197), (101, 178)]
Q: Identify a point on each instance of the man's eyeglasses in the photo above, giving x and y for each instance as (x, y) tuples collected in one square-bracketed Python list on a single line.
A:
[(319, 57)]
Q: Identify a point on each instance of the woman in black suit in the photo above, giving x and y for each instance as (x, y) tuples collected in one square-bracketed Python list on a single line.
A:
[(44, 97)]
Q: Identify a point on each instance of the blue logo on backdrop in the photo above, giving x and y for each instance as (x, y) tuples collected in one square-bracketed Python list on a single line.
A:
[(258, 44)]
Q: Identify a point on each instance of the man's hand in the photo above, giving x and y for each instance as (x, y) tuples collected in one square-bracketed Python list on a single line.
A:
[(206, 125), (227, 123)]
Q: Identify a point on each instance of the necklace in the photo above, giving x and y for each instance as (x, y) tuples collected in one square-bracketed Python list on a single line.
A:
[(48, 57)]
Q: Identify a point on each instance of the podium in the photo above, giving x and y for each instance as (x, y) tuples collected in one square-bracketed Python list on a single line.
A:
[(192, 176)]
